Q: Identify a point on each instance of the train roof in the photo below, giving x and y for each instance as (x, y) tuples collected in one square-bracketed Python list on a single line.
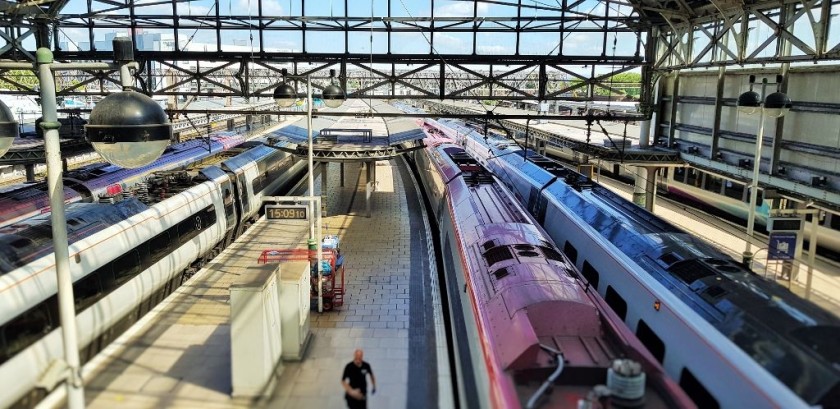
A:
[(26, 241), (529, 296), (791, 338)]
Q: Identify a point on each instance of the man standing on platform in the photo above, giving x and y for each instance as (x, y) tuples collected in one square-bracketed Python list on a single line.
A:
[(354, 381)]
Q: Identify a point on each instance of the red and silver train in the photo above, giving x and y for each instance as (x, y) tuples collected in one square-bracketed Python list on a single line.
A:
[(91, 182), (523, 320), (731, 338)]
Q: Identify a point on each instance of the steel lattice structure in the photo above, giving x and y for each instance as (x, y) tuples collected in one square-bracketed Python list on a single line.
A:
[(475, 68), (441, 49)]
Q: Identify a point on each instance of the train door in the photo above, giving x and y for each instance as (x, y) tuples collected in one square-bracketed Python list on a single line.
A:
[(231, 214), (240, 199)]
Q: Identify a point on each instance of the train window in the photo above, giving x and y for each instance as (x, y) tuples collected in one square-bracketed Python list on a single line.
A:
[(87, 291), (571, 252), (159, 246), (228, 200), (21, 243), (651, 341), (834, 221), (713, 183), (759, 198), (591, 274), (26, 329), (696, 391), (616, 302), (679, 174), (126, 267), (733, 189), (209, 216), (692, 176)]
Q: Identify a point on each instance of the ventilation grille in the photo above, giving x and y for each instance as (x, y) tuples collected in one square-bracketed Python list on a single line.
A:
[(690, 271), (501, 273), (497, 254), (715, 291), (669, 258), (551, 254), (488, 245)]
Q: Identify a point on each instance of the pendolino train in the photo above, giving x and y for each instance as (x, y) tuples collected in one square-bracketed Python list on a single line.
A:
[(731, 338), (124, 257), (527, 330), (91, 182)]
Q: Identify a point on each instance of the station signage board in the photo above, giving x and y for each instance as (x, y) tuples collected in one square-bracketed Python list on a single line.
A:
[(782, 246)]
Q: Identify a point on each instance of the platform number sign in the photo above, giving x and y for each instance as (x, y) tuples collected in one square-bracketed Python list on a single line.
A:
[(286, 212), (782, 246)]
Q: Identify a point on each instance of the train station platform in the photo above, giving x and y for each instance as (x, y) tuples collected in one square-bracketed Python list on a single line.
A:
[(179, 355)]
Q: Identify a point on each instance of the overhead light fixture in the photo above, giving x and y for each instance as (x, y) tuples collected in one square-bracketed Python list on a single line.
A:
[(128, 129), (285, 95), (333, 95), (8, 128)]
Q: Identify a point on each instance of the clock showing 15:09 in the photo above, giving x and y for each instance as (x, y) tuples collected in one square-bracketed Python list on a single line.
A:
[(285, 212)]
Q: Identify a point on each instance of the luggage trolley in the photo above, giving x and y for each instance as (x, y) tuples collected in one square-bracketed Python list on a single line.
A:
[(332, 266)]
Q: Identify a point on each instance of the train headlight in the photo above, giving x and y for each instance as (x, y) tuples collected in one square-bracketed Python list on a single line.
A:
[(128, 129), (8, 128)]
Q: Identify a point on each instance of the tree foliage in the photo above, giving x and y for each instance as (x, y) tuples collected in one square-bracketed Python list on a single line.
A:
[(23, 77)]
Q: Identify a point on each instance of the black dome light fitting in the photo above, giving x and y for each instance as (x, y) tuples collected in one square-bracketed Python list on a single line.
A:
[(333, 95), (777, 104), (285, 95), (749, 102), (8, 128), (128, 129)]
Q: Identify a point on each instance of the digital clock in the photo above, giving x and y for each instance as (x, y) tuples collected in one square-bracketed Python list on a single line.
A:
[(285, 212)]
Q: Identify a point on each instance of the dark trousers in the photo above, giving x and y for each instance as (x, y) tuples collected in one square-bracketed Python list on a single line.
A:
[(353, 403)]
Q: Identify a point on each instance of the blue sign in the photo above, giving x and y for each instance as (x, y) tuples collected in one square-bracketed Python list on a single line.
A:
[(782, 246)]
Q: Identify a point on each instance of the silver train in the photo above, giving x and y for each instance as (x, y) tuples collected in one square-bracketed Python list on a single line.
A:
[(721, 195), (124, 258), (732, 339), (730, 197)]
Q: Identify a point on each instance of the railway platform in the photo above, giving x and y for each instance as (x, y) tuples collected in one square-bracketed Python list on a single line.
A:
[(179, 355)]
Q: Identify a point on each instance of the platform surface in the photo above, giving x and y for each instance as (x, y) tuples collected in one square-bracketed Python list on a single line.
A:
[(179, 354)]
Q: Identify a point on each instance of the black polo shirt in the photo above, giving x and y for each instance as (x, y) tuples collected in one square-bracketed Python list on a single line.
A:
[(357, 376)]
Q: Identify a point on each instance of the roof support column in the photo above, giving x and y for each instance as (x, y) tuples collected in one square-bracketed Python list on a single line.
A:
[(784, 51), (639, 196), (721, 79), (650, 187), (644, 187), (369, 170), (672, 123)]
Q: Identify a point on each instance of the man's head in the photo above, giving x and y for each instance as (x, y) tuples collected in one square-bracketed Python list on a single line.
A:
[(357, 357)]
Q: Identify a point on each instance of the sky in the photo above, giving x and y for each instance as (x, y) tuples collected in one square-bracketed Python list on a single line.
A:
[(361, 42), (576, 43)]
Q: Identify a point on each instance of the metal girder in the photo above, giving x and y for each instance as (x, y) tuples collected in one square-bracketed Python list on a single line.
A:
[(764, 32), (455, 46), (339, 154), (36, 153), (798, 189), (634, 156), (464, 77)]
